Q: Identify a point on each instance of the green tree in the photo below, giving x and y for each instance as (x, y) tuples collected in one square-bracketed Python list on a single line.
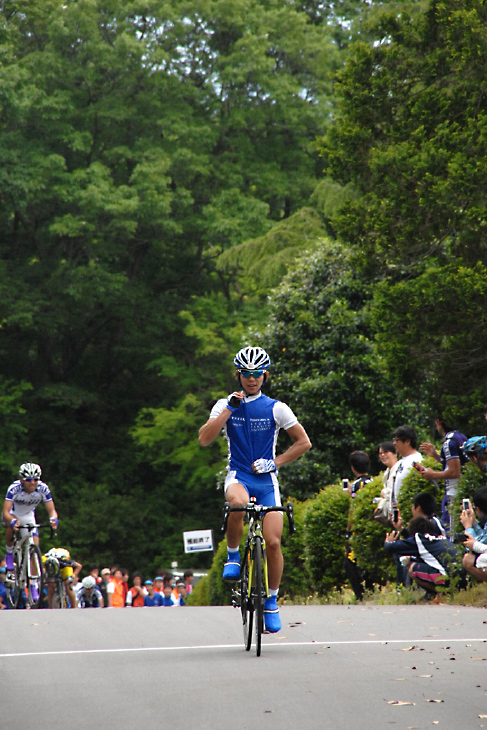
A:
[(409, 141), (327, 366)]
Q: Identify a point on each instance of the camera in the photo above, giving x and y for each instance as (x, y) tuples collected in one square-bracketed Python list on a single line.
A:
[(466, 504), (345, 484), (460, 537), (395, 514)]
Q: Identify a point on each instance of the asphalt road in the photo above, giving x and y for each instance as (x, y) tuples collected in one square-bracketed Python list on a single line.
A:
[(337, 667)]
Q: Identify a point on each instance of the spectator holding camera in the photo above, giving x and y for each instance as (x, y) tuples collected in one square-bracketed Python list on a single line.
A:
[(474, 520), (430, 555)]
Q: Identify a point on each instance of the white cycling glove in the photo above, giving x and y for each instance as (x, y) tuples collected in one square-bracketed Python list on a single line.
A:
[(264, 466)]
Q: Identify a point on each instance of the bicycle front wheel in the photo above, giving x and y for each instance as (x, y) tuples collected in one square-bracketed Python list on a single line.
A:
[(59, 596), (246, 605), (15, 590), (258, 596), (35, 577)]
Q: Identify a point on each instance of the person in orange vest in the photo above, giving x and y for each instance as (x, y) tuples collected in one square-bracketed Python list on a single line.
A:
[(115, 590), (136, 595)]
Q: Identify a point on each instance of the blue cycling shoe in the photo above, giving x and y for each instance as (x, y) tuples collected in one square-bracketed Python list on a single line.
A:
[(231, 570), (272, 620)]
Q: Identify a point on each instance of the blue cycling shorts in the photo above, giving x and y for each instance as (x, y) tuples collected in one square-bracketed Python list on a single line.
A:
[(264, 487)]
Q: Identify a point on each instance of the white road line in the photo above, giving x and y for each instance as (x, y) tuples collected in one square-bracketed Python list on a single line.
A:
[(408, 642)]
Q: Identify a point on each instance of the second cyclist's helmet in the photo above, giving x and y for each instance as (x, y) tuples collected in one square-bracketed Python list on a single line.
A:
[(30, 471), (252, 358), (88, 582), (475, 445)]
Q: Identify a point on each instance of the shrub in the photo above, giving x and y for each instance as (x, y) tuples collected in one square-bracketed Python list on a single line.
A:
[(325, 525), (368, 535), (295, 579)]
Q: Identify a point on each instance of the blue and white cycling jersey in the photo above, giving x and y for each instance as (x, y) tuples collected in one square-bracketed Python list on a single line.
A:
[(24, 503), (252, 430)]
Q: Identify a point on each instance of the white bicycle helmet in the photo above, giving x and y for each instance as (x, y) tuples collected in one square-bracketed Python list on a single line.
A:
[(30, 471), (252, 358), (88, 582)]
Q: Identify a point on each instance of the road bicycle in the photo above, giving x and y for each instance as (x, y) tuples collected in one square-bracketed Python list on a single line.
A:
[(53, 569), (253, 585), (28, 573)]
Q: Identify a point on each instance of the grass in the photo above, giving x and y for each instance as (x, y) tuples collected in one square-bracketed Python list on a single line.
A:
[(390, 595)]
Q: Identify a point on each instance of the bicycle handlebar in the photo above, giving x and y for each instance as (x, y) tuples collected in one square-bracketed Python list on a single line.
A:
[(253, 510), (32, 526)]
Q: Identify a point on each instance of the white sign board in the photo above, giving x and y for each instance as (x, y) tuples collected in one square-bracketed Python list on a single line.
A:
[(198, 540)]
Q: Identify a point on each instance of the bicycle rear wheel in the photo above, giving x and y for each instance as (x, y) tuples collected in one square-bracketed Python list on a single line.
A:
[(258, 596), (35, 577), (246, 605)]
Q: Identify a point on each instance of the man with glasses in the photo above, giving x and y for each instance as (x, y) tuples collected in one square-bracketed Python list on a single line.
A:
[(21, 499), (251, 422)]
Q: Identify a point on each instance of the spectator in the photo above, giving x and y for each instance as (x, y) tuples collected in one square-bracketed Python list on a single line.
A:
[(388, 457), (125, 584), (179, 592), (431, 556), (95, 572), (168, 598), (405, 440), (136, 595), (115, 590), (188, 578), (3, 590), (475, 524), (451, 458), (152, 598), (360, 466), (89, 596), (103, 585), (159, 584)]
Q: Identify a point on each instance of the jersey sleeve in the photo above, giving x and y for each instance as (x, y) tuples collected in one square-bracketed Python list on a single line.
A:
[(284, 416), (218, 408)]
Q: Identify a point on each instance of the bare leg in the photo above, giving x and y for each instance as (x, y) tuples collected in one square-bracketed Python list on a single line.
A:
[(273, 523), (237, 496)]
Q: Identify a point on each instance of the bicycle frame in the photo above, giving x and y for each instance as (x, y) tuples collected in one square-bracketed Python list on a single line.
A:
[(28, 568), (253, 585)]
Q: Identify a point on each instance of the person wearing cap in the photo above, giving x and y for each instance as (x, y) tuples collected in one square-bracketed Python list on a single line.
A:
[(105, 579), (158, 583), (179, 592), (152, 598)]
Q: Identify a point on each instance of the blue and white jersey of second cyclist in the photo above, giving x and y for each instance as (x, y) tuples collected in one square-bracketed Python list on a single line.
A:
[(252, 430), (25, 503)]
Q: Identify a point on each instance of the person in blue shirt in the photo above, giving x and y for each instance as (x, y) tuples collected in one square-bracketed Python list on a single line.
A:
[(251, 422), (152, 598), (451, 457)]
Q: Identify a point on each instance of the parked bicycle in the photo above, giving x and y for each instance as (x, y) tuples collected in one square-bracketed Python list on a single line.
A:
[(253, 586), (25, 585)]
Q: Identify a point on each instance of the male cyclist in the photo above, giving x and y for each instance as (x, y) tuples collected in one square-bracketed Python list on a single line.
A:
[(251, 422), (475, 449), (21, 499), (89, 596)]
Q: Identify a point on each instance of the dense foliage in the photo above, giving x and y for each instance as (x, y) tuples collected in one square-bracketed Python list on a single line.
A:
[(177, 180)]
